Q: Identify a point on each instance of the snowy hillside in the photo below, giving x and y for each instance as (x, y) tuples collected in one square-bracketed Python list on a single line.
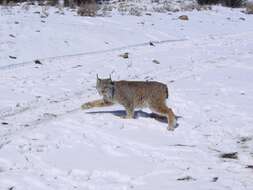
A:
[(48, 143)]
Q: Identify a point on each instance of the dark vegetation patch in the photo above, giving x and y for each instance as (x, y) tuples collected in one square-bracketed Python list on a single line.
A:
[(227, 3), (186, 178), (231, 155)]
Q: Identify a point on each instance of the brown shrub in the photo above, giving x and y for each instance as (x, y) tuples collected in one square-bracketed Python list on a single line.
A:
[(249, 8), (89, 8)]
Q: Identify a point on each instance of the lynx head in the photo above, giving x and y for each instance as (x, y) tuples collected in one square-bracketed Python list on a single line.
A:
[(105, 88)]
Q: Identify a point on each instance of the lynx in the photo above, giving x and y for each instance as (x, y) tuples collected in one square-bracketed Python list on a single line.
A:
[(134, 94)]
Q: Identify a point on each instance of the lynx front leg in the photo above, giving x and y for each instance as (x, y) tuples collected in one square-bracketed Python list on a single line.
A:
[(129, 111), (96, 103)]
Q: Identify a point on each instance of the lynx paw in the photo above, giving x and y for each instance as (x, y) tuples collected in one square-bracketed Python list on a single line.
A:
[(170, 128), (127, 117), (86, 106)]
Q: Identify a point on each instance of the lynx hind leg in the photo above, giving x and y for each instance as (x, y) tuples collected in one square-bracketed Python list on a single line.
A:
[(96, 103), (163, 109), (172, 122)]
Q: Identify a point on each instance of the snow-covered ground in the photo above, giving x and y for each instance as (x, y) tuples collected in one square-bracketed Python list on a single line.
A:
[(48, 143)]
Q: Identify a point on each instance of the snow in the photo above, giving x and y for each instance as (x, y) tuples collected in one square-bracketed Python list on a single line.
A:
[(47, 142)]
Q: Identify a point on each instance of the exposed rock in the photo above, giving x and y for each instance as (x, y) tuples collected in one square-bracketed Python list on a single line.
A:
[(124, 55), (155, 61), (12, 57), (38, 62), (183, 17), (215, 179)]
